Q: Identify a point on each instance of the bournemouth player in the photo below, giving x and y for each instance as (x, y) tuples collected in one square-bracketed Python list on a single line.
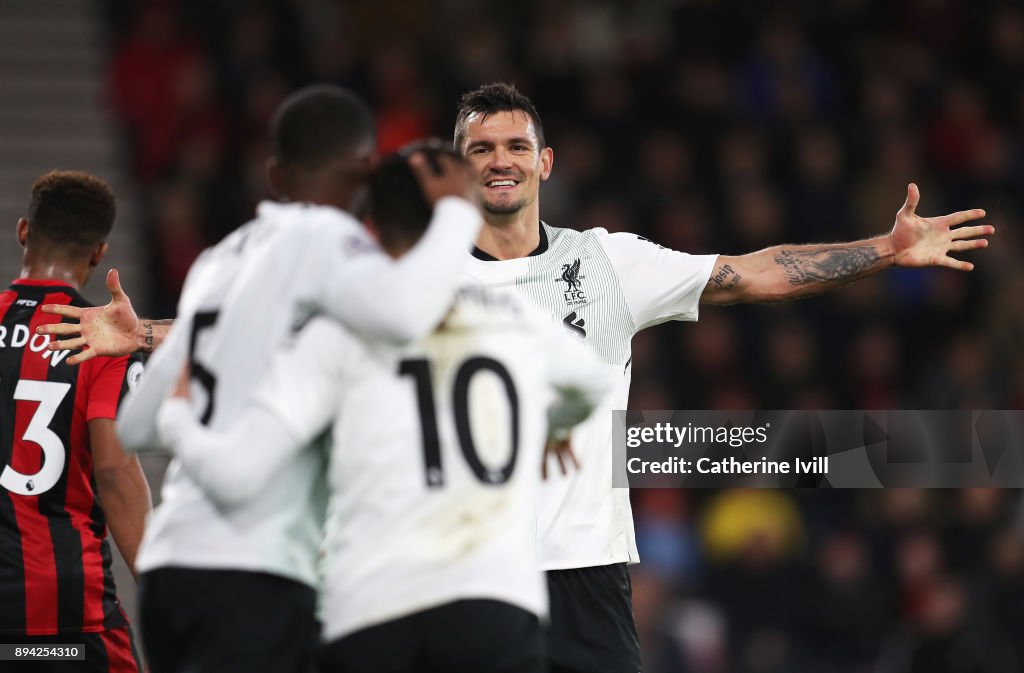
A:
[(65, 477), (605, 288), (431, 542), (232, 588)]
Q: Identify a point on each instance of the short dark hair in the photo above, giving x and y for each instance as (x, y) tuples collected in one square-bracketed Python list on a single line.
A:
[(70, 209), (319, 123), (398, 207), (491, 98)]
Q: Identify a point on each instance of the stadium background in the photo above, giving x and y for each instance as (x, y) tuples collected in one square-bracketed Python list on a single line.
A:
[(707, 126)]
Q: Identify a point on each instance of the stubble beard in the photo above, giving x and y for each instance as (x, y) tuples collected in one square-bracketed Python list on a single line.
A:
[(506, 208)]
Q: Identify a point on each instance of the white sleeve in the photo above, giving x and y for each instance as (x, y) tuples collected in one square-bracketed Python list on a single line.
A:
[(293, 404), (660, 284), (215, 460), (402, 300), (306, 378), (136, 420)]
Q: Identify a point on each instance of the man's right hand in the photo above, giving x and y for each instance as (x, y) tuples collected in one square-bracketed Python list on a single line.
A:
[(102, 330), (453, 179)]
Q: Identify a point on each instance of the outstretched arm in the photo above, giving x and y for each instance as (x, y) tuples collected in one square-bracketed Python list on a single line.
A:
[(112, 330), (791, 271)]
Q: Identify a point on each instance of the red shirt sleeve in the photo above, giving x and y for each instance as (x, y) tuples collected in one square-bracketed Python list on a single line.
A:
[(107, 381)]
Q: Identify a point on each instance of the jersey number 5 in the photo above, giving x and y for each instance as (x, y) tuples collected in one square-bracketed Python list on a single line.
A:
[(49, 395), (419, 369), (200, 373)]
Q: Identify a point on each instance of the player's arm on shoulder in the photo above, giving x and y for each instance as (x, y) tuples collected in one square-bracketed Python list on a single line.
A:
[(792, 271), (112, 330), (402, 300), (293, 404)]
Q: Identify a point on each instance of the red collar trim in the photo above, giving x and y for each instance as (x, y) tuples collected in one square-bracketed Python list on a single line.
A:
[(41, 282)]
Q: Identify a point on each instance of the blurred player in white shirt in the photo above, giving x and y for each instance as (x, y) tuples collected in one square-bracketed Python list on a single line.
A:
[(605, 287), (232, 589), (437, 447)]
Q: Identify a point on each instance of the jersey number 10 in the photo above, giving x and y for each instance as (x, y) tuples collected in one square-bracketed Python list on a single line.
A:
[(419, 369)]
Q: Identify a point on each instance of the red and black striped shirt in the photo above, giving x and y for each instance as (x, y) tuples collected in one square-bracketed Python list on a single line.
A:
[(55, 574)]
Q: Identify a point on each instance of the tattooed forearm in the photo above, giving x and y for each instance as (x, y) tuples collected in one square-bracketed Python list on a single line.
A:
[(829, 265), (791, 271), (725, 278), (147, 336), (152, 333)]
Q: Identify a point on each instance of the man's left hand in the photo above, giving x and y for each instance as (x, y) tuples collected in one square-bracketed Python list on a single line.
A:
[(927, 241)]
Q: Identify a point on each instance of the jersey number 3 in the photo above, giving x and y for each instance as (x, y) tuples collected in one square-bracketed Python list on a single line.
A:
[(49, 395), (419, 369)]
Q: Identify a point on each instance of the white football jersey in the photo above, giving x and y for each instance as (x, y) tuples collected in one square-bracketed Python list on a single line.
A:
[(241, 300), (605, 288), (437, 450)]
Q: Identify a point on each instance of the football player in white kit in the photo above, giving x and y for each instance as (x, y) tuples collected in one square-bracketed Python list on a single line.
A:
[(606, 287), (437, 446), (232, 589)]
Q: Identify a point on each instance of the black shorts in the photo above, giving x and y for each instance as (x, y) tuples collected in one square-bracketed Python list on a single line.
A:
[(110, 651), (226, 621), (470, 636), (592, 627)]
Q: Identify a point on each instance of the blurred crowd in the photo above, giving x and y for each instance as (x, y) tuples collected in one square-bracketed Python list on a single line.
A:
[(707, 126), (886, 581)]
